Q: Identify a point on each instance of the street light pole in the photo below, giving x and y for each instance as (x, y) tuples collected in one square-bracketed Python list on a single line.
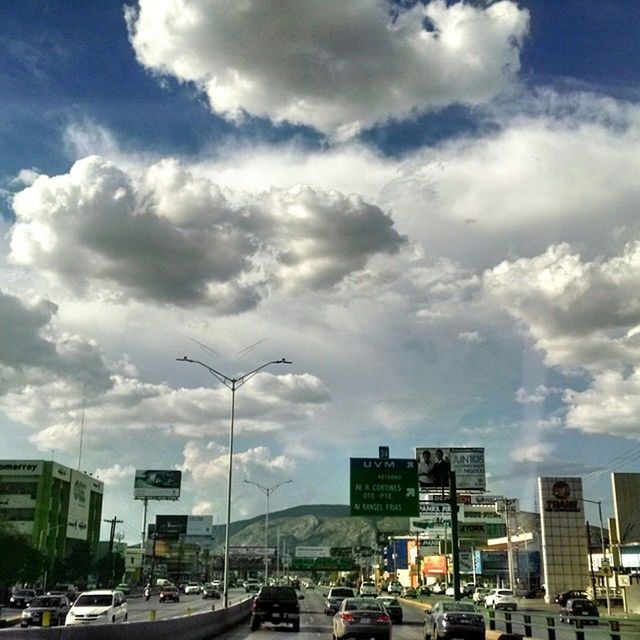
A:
[(267, 492), (233, 384), (606, 578)]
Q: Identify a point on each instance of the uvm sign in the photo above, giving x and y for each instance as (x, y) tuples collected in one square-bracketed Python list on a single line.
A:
[(386, 487)]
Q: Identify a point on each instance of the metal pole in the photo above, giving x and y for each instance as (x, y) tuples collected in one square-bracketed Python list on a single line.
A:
[(143, 540), (232, 384), (230, 472), (267, 492), (512, 584), (606, 578), (266, 542)]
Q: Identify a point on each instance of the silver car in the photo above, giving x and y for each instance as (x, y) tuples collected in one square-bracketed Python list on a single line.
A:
[(362, 618), (454, 620)]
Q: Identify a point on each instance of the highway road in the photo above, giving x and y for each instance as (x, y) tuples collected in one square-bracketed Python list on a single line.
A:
[(315, 624)]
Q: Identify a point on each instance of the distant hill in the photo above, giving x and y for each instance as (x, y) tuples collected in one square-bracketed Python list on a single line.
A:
[(328, 525)]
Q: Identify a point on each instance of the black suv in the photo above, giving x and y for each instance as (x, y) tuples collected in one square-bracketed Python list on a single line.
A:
[(277, 605), (563, 597)]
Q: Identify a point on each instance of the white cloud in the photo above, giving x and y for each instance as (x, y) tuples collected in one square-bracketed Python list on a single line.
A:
[(580, 313), (207, 468), (177, 239), (611, 405), (345, 66), (116, 474), (538, 395), (25, 177), (472, 337), (532, 452)]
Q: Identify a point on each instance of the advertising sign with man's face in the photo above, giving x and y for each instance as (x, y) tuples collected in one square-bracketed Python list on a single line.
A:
[(435, 465)]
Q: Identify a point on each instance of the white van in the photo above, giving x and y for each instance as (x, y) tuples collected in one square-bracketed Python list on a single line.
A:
[(98, 607)]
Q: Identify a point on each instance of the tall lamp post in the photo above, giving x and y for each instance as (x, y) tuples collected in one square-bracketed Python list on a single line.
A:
[(267, 492), (233, 384), (604, 557)]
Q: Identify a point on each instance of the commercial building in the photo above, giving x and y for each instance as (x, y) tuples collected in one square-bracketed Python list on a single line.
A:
[(58, 507)]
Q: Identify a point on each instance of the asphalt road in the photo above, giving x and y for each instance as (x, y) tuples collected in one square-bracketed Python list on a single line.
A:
[(315, 624)]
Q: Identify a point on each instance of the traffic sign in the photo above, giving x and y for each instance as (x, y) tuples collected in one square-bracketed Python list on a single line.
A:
[(322, 564), (384, 487)]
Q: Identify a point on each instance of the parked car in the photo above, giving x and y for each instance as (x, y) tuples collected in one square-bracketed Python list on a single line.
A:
[(98, 607), (439, 588), (454, 620), (192, 587), (424, 590), (450, 591), (409, 592), (501, 599), (35, 612), (210, 591), (169, 592), (581, 608), (124, 587), (363, 618), (20, 598), (368, 589), (563, 597), (335, 597), (393, 607), (217, 584)]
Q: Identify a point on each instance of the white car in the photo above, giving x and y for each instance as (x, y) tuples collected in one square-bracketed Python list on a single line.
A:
[(394, 587), (192, 587), (368, 589), (98, 607), (501, 599)]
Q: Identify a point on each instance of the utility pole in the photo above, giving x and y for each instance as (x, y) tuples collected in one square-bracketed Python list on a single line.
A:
[(112, 536), (455, 551)]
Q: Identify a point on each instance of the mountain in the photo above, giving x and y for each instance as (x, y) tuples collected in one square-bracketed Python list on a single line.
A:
[(323, 525)]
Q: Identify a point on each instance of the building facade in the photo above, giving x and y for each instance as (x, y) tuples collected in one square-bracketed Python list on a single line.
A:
[(57, 507)]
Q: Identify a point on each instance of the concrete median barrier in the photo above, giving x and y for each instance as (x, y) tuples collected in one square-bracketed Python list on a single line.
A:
[(199, 626)]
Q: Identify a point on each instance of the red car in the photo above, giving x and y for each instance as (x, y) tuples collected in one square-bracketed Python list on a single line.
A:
[(169, 593)]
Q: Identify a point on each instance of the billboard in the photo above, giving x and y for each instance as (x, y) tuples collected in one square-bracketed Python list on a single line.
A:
[(78, 514), (435, 463), (157, 484), (199, 526), (171, 527), (626, 488)]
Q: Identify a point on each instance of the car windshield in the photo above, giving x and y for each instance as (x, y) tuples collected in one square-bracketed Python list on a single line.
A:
[(45, 601), (282, 593), (24, 592), (341, 593), (94, 600), (459, 606), (362, 605)]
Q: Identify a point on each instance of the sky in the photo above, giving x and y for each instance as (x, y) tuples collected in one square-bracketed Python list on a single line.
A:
[(432, 209)]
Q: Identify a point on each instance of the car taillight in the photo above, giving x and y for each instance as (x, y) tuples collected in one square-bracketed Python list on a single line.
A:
[(347, 617), (384, 617), (253, 604)]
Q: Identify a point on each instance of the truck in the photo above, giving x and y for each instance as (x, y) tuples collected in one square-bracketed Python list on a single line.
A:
[(276, 605)]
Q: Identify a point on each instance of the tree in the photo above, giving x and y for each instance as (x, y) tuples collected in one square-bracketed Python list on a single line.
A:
[(23, 563)]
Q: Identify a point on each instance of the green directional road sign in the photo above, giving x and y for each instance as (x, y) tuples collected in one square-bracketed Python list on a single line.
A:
[(384, 487), (322, 564)]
